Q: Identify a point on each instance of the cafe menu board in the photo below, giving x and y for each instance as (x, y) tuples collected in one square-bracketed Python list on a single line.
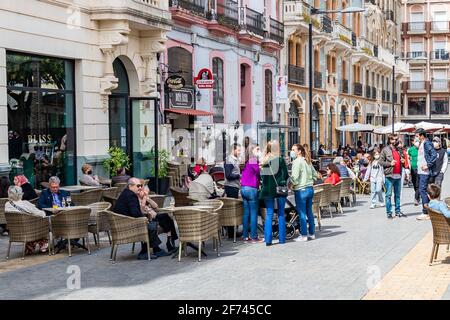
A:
[(324, 161)]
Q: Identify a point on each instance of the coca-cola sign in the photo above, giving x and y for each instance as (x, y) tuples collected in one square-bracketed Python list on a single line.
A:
[(175, 82)]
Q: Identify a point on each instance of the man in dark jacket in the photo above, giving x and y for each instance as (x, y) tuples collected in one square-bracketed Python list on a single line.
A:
[(426, 168), (128, 205), (392, 161), (53, 195)]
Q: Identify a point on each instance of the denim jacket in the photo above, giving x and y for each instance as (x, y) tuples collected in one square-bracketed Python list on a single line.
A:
[(430, 157)]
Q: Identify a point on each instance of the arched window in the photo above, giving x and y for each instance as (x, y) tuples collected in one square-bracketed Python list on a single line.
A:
[(268, 95), (181, 60), (218, 91), (293, 124), (315, 130)]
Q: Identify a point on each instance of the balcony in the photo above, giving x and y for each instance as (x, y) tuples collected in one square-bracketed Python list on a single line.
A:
[(374, 92), (416, 85), (357, 89), (252, 21), (368, 91), (344, 86), (367, 47), (276, 31), (194, 6), (439, 27), (416, 28), (295, 11), (317, 80), (439, 85), (342, 35), (227, 14), (439, 56), (417, 57), (327, 26), (371, 2), (385, 95), (296, 75), (390, 16)]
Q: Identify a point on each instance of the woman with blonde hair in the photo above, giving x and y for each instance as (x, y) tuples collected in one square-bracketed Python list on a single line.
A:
[(274, 174)]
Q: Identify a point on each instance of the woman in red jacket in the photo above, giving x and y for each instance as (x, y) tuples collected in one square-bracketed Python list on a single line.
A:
[(334, 177)]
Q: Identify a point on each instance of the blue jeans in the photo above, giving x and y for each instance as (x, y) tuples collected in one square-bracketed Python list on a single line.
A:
[(250, 198), (393, 184), (303, 202), (270, 203), (376, 191), (424, 179)]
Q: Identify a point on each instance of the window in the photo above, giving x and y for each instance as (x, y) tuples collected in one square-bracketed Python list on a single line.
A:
[(268, 95), (439, 105), (243, 75), (440, 21), (41, 117), (218, 90), (417, 49), (343, 122), (416, 106), (315, 130), (293, 124), (417, 23), (417, 82)]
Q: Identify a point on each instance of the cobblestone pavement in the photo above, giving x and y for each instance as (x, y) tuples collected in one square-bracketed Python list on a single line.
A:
[(351, 254)]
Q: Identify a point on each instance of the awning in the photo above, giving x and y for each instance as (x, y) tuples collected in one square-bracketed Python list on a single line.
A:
[(356, 127), (398, 127), (190, 112)]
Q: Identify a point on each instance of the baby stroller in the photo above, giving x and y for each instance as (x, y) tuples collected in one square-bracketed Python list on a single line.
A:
[(292, 220)]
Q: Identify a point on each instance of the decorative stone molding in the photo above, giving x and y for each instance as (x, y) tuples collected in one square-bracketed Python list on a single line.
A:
[(151, 42)]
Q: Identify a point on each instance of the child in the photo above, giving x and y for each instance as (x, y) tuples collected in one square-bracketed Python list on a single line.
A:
[(434, 193), (375, 173)]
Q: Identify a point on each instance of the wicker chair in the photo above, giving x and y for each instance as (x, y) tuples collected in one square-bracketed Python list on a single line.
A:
[(231, 214), (120, 187), (196, 225), (346, 191), (98, 221), (34, 201), (441, 232), (71, 224), (24, 227), (38, 192), (316, 205), (181, 197), (335, 196), (158, 199), (126, 230), (45, 185), (2, 210), (447, 201), (325, 200), (87, 197), (215, 204)]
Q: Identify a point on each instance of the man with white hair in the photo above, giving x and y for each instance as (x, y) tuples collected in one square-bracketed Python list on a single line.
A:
[(53, 195)]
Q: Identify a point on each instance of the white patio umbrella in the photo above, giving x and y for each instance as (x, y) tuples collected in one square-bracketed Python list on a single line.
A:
[(428, 126), (444, 130), (398, 127), (356, 127)]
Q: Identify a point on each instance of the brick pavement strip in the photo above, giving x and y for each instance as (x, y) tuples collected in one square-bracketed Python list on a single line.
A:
[(413, 277)]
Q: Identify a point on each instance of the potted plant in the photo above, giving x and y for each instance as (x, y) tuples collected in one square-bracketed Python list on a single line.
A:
[(117, 162), (163, 171)]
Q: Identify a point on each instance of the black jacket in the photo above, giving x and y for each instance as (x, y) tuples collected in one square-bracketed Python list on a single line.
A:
[(128, 204), (46, 199), (28, 192)]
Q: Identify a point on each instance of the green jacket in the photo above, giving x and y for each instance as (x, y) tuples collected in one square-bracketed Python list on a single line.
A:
[(303, 174), (268, 184), (413, 154)]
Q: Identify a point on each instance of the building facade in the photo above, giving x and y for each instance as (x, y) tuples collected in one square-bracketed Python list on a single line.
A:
[(425, 36), (353, 55), (239, 41), (76, 77)]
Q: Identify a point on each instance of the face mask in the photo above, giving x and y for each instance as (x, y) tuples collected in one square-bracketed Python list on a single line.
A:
[(416, 140), (436, 145), (293, 155), (417, 144)]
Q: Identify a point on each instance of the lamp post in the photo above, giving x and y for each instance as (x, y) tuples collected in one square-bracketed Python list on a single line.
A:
[(314, 11)]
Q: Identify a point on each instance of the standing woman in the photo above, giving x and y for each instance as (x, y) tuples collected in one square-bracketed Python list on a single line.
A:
[(274, 173), (249, 191), (302, 179), (375, 174)]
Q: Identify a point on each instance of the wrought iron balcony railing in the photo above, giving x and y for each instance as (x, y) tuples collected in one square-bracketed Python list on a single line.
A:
[(252, 21), (344, 86), (196, 6), (317, 79), (296, 75), (357, 89)]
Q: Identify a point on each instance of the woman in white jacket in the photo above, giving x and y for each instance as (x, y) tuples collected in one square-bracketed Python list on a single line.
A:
[(375, 173)]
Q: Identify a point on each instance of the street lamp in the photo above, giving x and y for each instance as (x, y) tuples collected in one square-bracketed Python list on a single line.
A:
[(314, 11)]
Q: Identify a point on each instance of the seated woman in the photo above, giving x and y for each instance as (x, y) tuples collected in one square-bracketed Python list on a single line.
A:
[(87, 178), (166, 223), (28, 191), (200, 167), (17, 205), (334, 177)]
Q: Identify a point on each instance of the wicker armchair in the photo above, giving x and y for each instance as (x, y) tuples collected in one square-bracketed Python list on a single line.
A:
[(71, 224), (316, 205), (181, 197), (24, 227), (2, 210), (196, 225), (120, 187), (231, 214), (335, 196), (34, 201), (126, 230), (98, 221), (325, 200), (215, 204), (346, 190), (158, 199), (441, 232), (87, 197)]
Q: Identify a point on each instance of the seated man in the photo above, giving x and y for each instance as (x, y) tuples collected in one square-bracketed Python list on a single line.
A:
[(148, 207), (128, 205), (434, 193), (53, 195)]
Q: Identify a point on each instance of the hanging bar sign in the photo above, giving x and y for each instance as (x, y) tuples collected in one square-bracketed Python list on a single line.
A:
[(175, 82), (204, 79)]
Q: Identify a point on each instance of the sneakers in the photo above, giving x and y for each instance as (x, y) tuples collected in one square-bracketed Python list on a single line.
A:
[(301, 239), (372, 206), (246, 239), (312, 237), (400, 215), (416, 202), (257, 240), (144, 256), (382, 205), (161, 253), (389, 216), (423, 217)]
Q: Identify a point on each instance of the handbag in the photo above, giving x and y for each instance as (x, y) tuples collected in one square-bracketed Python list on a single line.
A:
[(281, 191)]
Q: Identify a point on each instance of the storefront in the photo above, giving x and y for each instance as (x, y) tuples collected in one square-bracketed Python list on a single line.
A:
[(41, 117)]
